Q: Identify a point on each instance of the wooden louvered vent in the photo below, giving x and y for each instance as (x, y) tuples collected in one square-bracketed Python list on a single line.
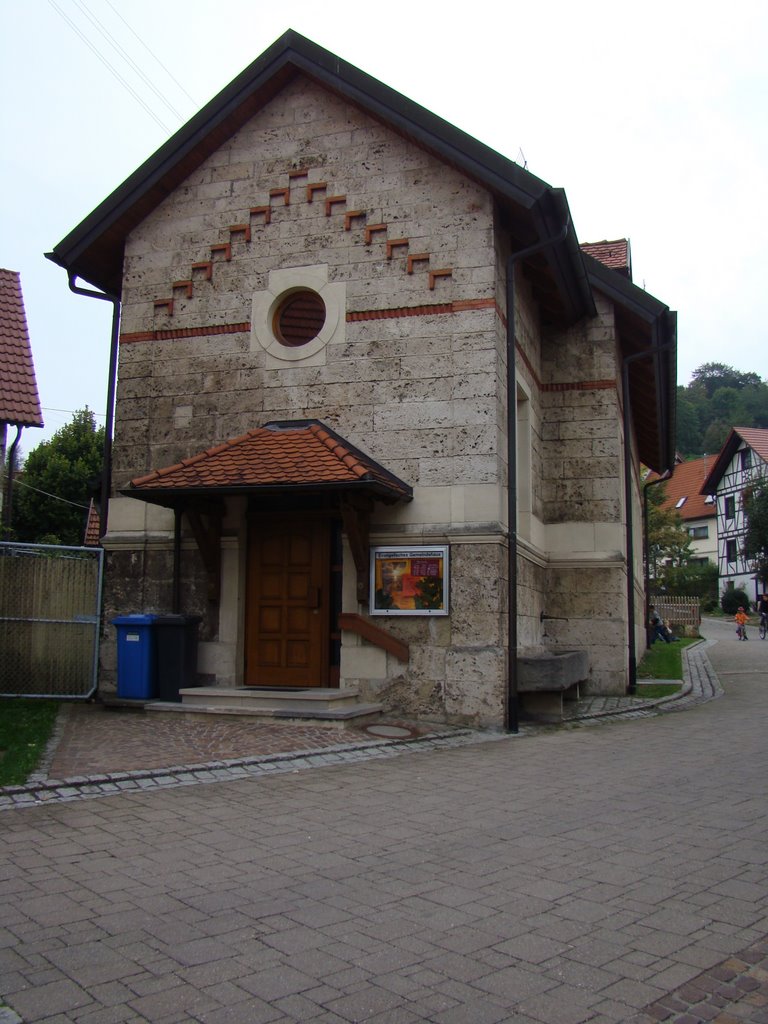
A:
[(299, 318)]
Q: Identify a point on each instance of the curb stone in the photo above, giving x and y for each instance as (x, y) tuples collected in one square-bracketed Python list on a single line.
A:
[(700, 685)]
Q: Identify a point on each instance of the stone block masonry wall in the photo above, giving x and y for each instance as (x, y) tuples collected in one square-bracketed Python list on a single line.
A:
[(425, 375), (413, 378)]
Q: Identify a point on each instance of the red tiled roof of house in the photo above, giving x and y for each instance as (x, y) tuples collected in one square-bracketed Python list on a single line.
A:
[(305, 453), (615, 254), (685, 483), (92, 537), (757, 440), (19, 400), (755, 437)]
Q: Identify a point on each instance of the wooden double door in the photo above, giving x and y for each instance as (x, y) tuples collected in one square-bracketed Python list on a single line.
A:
[(287, 629)]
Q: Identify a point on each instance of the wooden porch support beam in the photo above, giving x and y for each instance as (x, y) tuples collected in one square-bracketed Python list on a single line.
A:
[(208, 539), (356, 516), (366, 629)]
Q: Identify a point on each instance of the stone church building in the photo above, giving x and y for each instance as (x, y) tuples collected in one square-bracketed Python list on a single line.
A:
[(345, 327)]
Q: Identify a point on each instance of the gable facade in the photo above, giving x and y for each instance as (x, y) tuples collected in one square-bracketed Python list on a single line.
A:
[(315, 207), (742, 462)]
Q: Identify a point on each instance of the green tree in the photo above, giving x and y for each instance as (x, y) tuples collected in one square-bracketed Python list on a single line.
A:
[(689, 432), (756, 537), (52, 493), (669, 544), (710, 377), (717, 399)]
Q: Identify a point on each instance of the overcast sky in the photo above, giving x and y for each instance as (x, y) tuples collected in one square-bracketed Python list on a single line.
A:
[(653, 117)]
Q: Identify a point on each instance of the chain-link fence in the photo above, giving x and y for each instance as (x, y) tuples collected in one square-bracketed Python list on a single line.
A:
[(50, 600)]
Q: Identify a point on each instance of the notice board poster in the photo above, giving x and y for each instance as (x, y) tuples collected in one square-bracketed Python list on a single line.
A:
[(409, 581)]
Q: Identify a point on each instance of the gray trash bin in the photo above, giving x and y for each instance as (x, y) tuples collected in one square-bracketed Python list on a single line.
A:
[(175, 654)]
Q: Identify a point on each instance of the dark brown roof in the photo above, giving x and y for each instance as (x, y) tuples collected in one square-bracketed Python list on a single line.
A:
[(304, 454), (533, 209), (615, 254), (756, 438), (685, 485), (19, 400), (563, 277)]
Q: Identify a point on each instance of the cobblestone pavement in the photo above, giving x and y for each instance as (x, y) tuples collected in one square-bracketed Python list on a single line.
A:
[(563, 876)]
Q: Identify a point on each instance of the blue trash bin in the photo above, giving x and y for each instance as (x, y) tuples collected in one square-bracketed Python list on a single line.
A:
[(135, 657)]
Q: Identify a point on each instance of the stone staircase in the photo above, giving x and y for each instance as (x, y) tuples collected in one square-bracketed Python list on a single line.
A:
[(309, 705)]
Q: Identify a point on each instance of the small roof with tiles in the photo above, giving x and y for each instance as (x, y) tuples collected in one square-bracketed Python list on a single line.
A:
[(753, 437), (92, 538), (615, 254), (682, 491), (295, 455), (19, 400)]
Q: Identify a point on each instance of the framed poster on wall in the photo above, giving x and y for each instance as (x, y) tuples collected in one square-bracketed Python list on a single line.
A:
[(409, 580)]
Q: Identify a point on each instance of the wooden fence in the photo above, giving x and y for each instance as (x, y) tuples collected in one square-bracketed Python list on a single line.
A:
[(683, 613), (49, 619)]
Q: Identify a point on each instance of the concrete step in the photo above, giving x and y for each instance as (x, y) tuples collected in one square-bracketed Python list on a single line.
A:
[(310, 704), (356, 714)]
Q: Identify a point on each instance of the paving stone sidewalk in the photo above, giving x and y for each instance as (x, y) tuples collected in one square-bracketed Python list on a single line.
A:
[(99, 752), (552, 878)]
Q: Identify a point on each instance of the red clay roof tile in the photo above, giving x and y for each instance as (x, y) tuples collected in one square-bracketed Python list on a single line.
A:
[(19, 400), (686, 483), (615, 254), (304, 453), (756, 438)]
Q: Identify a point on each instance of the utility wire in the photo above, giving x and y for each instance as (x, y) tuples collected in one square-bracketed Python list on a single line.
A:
[(20, 483), (106, 34), (109, 66), (153, 55), (49, 408)]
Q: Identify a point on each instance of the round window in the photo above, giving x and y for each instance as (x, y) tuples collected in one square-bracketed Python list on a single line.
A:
[(299, 318)]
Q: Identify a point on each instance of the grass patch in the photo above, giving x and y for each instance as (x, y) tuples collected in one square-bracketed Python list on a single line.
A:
[(25, 727), (663, 661), (654, 690)]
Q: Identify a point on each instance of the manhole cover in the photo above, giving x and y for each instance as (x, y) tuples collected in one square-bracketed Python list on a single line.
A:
[(391, 732)]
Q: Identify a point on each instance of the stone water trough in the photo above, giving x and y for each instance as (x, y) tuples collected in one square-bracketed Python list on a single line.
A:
[(547, 678)]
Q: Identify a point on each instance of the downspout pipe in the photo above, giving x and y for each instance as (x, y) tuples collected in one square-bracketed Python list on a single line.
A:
[(176, 561), (646, 560), (511, 710), (11, 462), (106, 477), (653, 353)]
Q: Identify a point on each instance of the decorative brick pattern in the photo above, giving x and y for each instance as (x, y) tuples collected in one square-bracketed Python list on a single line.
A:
[(243, 229), (264, 211), (435, 274), (395, 243), (224, 247), (351, 216), (417, 257), (371, 230), (315, 186), (332, 201), (186, 285)]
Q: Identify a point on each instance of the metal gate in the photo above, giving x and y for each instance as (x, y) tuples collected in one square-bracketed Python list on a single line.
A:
[(50, 611)]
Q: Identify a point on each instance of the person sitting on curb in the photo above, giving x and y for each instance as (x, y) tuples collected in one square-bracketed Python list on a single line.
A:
[(741, 619), (659, 630)]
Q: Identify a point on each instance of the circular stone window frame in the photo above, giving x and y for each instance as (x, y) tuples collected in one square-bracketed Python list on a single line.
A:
[(267, 303)]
